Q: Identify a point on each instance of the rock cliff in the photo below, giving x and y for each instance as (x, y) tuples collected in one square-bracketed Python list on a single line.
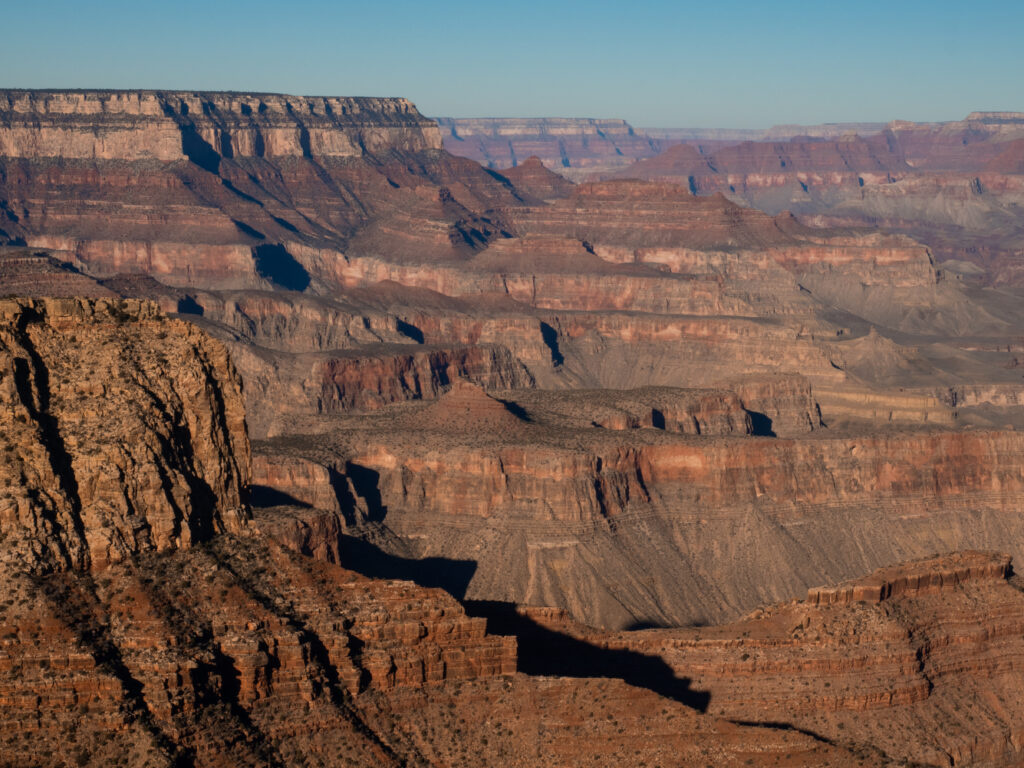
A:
[(149, 620), (111, 448), (177, 125)]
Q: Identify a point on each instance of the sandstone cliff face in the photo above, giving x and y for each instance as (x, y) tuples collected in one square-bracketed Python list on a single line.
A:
[(125, 432), (173, 125), (24, 272)]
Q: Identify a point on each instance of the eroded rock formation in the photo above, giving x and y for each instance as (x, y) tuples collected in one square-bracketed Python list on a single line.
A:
[(955, 186), (619, 400), (169, 474), (211, 640)]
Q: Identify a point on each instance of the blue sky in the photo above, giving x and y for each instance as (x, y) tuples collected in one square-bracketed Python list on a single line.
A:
[(655, 63)]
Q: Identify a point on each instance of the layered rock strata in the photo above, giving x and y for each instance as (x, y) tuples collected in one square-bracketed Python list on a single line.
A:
[(575, 148), (956, 186), (171, 125), (557, 509), (227, 188), (217, 644), (920, 661)]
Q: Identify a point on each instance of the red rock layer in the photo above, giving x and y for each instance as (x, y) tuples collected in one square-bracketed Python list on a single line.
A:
[(357, 381), (920, 661), (212, 644), (914, 580)]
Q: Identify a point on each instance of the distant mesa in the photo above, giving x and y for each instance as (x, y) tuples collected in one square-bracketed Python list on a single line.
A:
[(573, 147)]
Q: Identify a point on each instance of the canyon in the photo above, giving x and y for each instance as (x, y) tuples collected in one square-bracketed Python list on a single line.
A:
[(308, 415), (954, 186), (168, 623)]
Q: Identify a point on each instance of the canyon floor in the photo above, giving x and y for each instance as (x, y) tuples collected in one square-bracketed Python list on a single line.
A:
[(324, 446)]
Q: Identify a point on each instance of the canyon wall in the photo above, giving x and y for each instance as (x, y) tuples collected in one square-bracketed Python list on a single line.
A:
[(556, 498), (149, 618), (219, 182), (574, 147), (175, 125), (955, 186)]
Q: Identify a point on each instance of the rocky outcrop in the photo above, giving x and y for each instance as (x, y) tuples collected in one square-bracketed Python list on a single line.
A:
[(358, 381), (112, 450), (678, 411), (142, 600)]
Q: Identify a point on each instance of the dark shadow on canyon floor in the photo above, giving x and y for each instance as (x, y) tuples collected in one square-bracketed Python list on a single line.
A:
[(265, 496), (543, 651), (453, 576)]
